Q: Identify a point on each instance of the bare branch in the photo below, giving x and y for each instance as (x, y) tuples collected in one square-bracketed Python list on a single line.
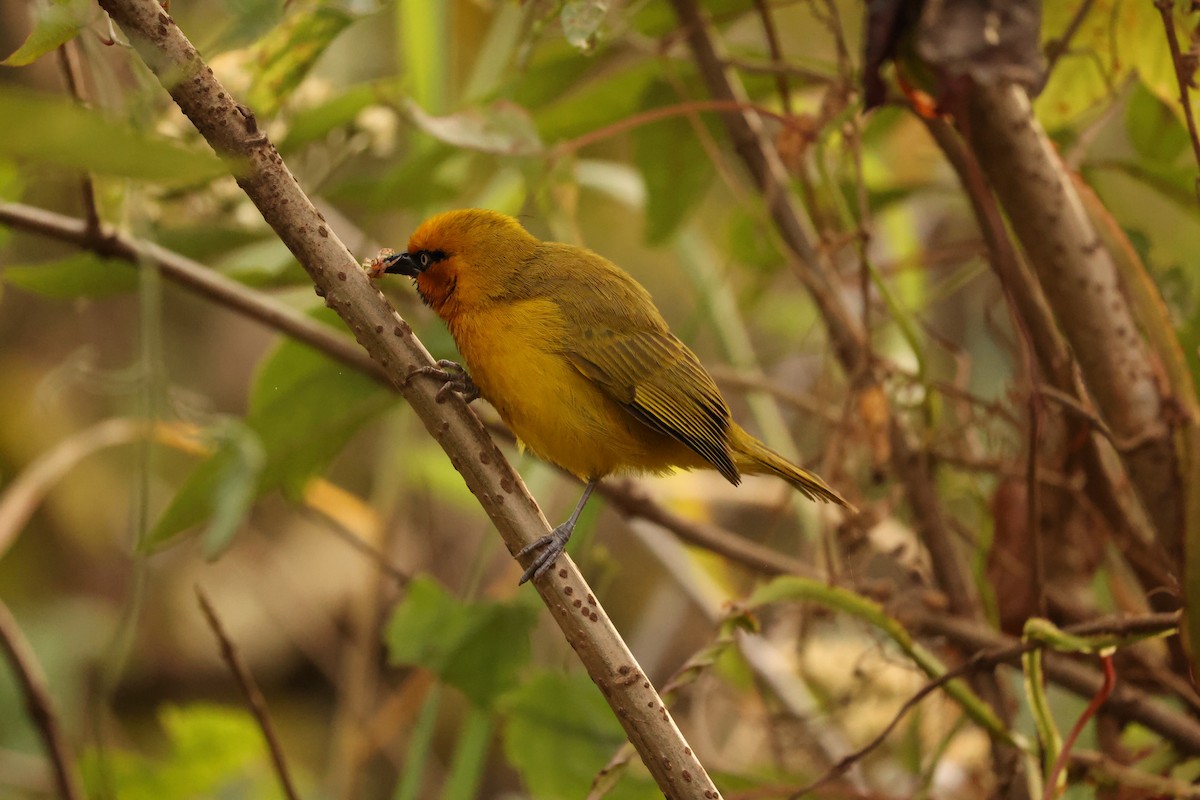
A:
[(195, 277), (252, 694), (39, 705)]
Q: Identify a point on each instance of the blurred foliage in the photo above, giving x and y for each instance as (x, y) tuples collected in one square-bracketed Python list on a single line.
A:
[(581, 117), (213, 752)]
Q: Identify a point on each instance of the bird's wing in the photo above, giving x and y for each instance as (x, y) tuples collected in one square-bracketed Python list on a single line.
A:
[(654, 376)]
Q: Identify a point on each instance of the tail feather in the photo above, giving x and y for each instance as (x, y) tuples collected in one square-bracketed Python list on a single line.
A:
[(755, 458)]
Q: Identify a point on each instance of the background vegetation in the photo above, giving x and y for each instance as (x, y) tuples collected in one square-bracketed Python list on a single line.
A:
[(159, 435)]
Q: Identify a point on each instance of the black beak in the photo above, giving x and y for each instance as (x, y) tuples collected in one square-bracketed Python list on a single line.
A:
[(401, 264)]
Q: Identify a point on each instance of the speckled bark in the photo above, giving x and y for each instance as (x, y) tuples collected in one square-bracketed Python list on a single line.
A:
[(1082, 283), (391, 343)]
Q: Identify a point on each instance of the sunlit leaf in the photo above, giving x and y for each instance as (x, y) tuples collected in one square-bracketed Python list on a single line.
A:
[(285, 55), (1087, 73), (505, 34), (1141, 42), (477, 647), (80, 274), (56, 131), (54, 24), (1116, 38), (422, 33)]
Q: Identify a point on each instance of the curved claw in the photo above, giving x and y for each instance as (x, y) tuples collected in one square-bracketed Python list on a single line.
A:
[(551, 546), (454, 378), (554, 543)]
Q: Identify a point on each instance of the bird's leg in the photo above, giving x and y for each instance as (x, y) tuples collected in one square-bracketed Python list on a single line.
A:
[(552, 544), (453, 377)]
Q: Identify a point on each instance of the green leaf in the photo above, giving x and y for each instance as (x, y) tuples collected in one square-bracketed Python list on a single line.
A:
[(54, 24), (59, 132), (423, 28), (476, 647), (308, 125), (303, 409), (596, 103), (247, 20), (559, 734), (658, 19), (77, 275), (286, 54), (1153, 128), (242, 457), (673, 163), (265, 262), (1087, 73), (1141, 42), (214, 752), (751, 242)]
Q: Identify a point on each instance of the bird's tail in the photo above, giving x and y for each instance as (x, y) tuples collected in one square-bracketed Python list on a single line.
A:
[(752, 457)]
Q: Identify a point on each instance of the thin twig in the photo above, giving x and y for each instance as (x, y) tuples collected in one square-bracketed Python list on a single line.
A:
[(373, 554), (657, 114), (40, 706), (781, 80), (773, 67), (1093, 706), (631, 502), (1184, 76), (251, 693), (68, 59), (1056, 48), (1033, 490)]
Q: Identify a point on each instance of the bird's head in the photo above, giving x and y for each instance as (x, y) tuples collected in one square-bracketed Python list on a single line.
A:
[(462, 258)]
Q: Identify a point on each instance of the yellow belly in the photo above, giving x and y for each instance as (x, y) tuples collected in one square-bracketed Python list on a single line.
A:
[(559, 414)]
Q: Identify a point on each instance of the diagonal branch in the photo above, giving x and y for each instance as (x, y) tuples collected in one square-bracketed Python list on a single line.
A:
[(231, 130), (40, 706), (252, 694)]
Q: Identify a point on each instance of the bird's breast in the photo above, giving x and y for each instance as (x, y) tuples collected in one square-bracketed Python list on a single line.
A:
[(514, 354)]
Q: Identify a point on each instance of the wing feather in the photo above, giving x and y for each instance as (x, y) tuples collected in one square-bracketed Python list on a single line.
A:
[(662, 383)]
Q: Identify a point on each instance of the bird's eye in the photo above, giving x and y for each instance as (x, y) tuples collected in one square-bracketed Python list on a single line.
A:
[(424, 259)]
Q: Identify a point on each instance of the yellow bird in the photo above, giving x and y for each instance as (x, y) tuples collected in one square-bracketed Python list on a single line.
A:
[(577, 360)]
